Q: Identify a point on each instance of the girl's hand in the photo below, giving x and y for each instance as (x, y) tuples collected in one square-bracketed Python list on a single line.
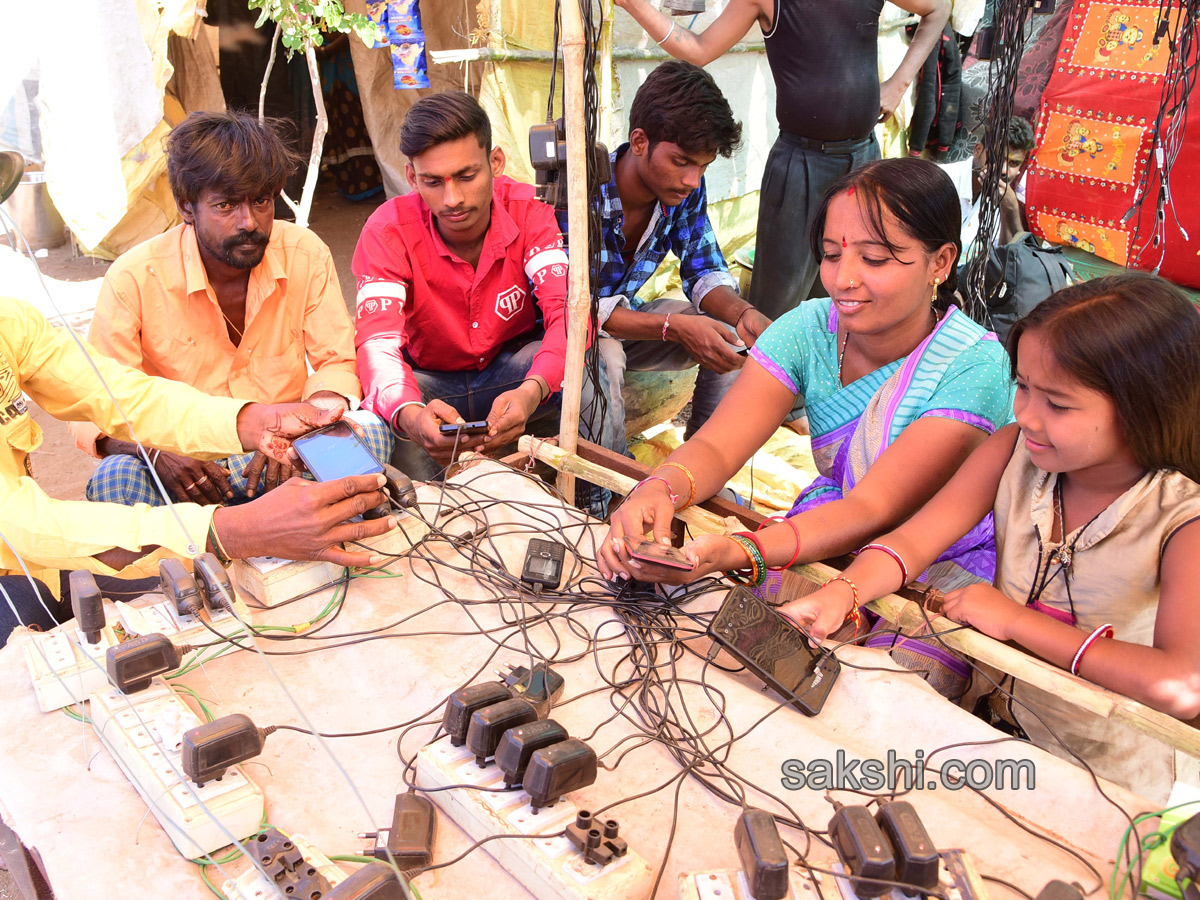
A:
[(985, 608), (822, 612)]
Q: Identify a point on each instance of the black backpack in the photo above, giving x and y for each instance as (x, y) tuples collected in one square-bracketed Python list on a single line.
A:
[(1020, 275)]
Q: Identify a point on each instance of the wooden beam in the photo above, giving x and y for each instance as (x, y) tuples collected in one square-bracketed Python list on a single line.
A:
[(579, 296), (902, 610)]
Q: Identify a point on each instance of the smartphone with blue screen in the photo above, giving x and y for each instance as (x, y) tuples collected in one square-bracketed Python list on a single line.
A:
[(335, 451)]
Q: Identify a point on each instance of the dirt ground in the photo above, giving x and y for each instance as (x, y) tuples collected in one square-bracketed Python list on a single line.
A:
[(74, 283)]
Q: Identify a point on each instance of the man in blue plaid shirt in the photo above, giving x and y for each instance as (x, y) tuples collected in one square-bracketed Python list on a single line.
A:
[(655, 203)]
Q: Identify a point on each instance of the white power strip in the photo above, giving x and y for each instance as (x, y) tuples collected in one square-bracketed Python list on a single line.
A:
[(550, 868), (958, 880), (253, 885), (144, 732), (731, 884), (153, 613), (64, 667)]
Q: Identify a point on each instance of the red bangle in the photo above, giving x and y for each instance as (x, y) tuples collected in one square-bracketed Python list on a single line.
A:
[(752, 539), (795, 531), (895, 556), (1104, 631)]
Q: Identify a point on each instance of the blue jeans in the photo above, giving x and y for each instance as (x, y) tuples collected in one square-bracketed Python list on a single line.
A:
[(620, 356), (126, 479), (472, 394)]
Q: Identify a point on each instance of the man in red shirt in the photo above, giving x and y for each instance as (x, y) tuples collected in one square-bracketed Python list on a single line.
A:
[(447, 326)]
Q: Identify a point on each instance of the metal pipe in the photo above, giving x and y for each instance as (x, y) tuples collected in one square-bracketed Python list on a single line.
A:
[(487, 54)]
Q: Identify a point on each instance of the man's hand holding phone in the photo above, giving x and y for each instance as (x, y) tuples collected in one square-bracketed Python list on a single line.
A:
[(423, 424)]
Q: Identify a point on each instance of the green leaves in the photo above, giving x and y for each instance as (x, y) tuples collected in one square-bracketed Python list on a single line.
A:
[(304, 23)]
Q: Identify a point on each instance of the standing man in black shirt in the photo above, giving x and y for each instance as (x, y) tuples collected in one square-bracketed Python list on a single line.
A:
[(828, 99)]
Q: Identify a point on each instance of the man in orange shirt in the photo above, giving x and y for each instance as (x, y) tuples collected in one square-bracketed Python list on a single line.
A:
[(231, 302)]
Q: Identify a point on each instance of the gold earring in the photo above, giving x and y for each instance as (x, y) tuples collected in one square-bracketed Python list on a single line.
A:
[(933, 299)]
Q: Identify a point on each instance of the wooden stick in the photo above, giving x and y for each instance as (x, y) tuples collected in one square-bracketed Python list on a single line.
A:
[(905, 612), (579, 299)]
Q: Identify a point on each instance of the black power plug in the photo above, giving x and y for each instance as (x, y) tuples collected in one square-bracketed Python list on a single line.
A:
[(1185, 850), (132, 664), (490, 723), (862, 848), (180, 587), (87, 604), (518, 744), (761, 852), (209, 749), (917, 859), (541, 688), (1060, 890), (410, 839), (374, 881), (556, 770), (213, 581), (461, 705)]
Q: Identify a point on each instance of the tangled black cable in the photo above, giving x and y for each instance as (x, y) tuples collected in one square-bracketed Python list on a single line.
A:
[(1170, 123), (1009, 24)]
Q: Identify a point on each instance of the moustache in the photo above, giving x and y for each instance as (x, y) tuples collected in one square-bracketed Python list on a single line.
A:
[(253, 238)]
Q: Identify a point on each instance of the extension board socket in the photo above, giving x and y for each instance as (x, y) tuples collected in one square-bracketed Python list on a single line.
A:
[(550, 868), (254, 885), (144, 732), (731, 884), (272, 581), (64, 667), (153, 613), (958, 879)]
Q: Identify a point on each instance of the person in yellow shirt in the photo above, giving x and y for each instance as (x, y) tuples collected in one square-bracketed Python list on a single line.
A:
[(231, 302), (38, 535)]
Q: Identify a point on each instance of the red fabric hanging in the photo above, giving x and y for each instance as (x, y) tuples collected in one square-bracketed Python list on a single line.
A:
[(1094, 139)]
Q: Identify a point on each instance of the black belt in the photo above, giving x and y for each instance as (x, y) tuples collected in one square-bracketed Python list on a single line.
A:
[(836, 147)]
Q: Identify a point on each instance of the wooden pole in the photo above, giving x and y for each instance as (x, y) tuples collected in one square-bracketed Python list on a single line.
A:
[(605, 63), (905, 612), (578, 291)]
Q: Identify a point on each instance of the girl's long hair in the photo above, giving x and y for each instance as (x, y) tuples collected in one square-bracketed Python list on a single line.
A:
[(1135, 338)]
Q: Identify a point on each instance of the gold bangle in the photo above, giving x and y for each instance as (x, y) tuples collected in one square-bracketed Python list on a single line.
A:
[(691, 481)]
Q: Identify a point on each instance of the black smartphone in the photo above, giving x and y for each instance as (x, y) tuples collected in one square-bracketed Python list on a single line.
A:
[(480, 427), (774, 649), (661, 555), (335, 451)]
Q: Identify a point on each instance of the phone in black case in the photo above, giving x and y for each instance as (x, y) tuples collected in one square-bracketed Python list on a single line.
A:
[(774, 649)]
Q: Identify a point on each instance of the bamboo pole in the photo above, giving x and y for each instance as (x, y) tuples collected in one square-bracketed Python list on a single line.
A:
[(605, 64), (903, 612), (578, 290)]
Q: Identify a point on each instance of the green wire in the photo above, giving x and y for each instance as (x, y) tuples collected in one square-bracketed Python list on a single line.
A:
[(74, 714), (208, 716), (1115, 891)]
